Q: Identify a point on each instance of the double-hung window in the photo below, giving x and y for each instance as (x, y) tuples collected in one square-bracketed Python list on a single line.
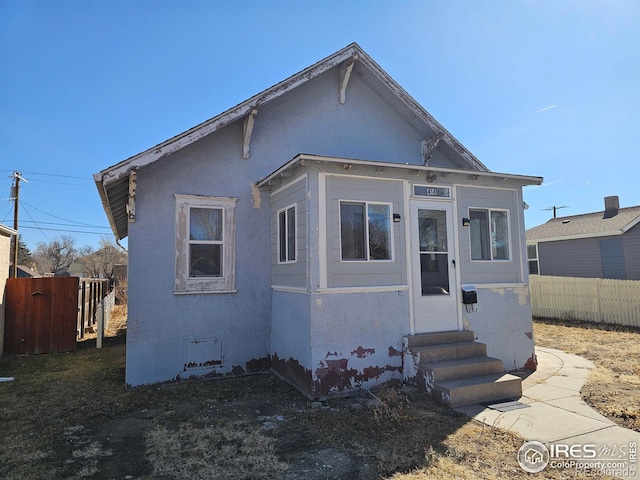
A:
[(205, 244), (365, 231), (489, 234), (287, 235)]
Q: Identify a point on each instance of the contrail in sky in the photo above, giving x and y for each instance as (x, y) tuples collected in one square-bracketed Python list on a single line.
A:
[(545, 108)]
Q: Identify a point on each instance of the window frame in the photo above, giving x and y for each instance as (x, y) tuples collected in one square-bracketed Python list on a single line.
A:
[(183, 282), (536, 259), (491, 242), (285, 237), (367, 258)]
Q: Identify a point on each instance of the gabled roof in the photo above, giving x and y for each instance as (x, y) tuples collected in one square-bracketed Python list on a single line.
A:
[(113, 182), (585, 226)]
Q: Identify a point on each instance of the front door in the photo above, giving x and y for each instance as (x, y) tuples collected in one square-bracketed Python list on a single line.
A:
[(435, 300)]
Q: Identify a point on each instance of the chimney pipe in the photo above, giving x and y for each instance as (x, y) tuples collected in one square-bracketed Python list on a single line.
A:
[(611, 206)]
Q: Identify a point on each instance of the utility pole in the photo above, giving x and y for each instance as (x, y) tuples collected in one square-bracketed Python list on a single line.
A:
[(15, 194), (554, 208)]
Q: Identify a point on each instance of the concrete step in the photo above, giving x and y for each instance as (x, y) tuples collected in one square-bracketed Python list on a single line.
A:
[(424, 339), (463, 368), (485, 388), (450, 351)]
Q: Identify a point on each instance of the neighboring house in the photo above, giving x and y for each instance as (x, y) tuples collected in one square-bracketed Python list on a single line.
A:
[(603, 244), (5, 246), (26, 272), (314, 230)]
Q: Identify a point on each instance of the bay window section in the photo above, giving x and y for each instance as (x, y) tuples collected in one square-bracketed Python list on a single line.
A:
[(365, 231)]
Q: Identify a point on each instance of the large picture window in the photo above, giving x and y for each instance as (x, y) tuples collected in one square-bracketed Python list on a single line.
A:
[(365, 231), (489, 234), (287, 235), (205, 245)]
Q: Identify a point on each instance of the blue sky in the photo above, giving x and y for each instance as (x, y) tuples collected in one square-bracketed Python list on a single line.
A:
[(548, 88)]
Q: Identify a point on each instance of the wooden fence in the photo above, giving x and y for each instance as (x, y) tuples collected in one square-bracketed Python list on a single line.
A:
[(591, 299), (40, 315), (48, 315), (91, 292)]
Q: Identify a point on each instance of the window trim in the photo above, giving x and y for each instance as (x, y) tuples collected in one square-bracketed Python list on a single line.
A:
[(285, 210), (509, 236), (536, 259), (183, 283), (367, 258)]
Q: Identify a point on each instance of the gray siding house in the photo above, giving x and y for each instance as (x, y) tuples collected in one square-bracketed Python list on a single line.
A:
[(323, 230), (603, 244)]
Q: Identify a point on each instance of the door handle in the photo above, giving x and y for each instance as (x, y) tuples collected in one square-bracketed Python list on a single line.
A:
[(454, 263)]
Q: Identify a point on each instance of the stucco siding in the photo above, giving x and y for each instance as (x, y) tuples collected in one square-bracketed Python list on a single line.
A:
[(490, 271), (290, 274), (356, 339), (291, 337), (238, 325), (503, 321), (342, 273), (5, 246)]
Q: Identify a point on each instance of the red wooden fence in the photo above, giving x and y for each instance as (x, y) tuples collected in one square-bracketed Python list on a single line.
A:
[(41, 315)]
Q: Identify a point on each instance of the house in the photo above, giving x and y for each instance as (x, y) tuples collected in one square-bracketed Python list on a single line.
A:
[(324, 230), (26, 272), (5, 246), (603, 244)]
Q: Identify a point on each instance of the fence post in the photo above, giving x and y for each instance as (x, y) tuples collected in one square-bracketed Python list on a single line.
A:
[(100, 315)]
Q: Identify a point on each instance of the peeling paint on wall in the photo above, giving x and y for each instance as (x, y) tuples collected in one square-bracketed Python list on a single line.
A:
[(532, 363), (319, 302), (523, 296), (499, 291), (363, 352), (255, 194)]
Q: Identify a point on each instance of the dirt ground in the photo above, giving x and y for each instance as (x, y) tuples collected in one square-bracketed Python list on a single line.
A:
[(613, 388), (70, 416)]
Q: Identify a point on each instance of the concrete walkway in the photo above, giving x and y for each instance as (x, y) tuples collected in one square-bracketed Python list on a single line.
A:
[(556, 414)]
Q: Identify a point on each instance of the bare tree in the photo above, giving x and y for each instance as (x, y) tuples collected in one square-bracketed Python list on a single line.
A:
[(99, 263), (56, 255)]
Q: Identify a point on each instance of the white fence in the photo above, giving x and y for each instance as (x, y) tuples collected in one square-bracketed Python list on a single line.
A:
[(590, 299)]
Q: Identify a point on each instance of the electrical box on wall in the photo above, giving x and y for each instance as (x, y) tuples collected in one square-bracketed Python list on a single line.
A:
[(469, 295)]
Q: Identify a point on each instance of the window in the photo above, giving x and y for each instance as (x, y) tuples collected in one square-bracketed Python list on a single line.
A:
[(287, 235), (205, 244), (532, 257), (489, 234), (365, 231)]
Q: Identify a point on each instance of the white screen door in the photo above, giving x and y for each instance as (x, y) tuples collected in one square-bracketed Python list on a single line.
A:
[(435, 299)]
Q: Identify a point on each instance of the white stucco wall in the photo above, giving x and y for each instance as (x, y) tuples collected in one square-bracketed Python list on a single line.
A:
[(5, 246)]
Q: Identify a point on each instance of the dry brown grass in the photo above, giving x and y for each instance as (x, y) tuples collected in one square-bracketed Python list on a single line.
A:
[(70, 416), (613, 387)]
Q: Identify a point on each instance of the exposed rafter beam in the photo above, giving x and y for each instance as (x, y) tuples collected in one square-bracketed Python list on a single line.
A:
[(131, 203), (345, 74), (429, 146), (247, 131)]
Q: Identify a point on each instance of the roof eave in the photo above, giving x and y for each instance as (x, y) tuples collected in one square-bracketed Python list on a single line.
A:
[(522, 179), (4, 230)]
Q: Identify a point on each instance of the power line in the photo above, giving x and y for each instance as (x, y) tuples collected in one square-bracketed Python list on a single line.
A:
[(60, 218), (63, 224), (64, 230), (38, 226), (51, 175)]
